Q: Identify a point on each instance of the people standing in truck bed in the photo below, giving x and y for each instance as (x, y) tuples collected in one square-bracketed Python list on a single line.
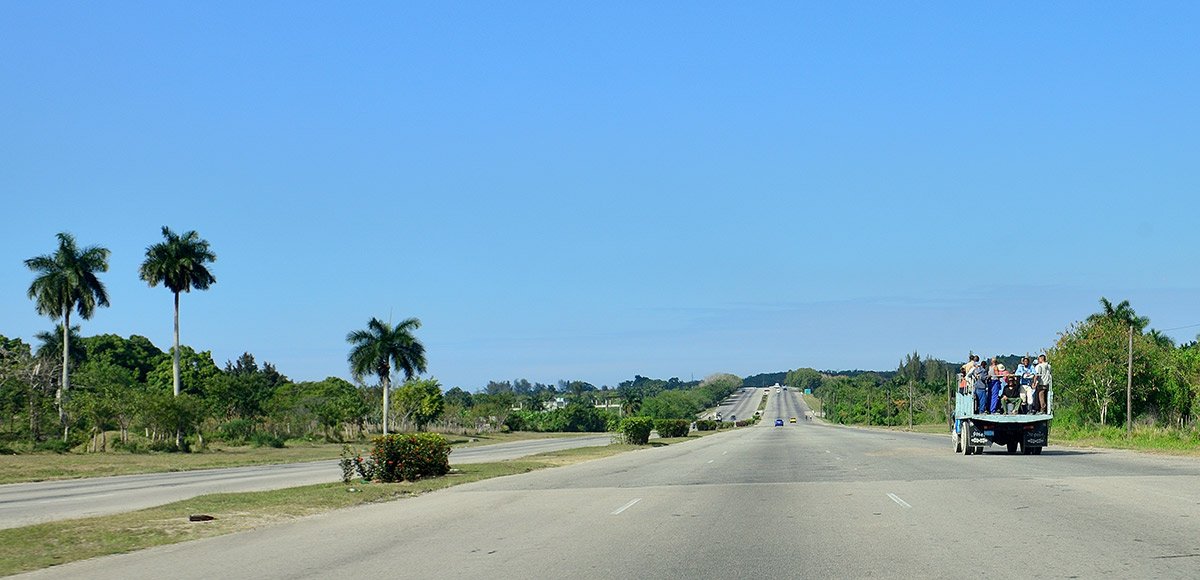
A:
[(1025, 374), (1043, 381), (979, 380)]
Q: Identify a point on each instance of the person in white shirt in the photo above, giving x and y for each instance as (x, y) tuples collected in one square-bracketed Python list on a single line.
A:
[(1043, 381)]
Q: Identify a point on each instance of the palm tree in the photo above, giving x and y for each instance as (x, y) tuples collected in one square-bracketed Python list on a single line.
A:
[(1122, 313), (66, 280), (179, 264), (52, 344), (381, 346)]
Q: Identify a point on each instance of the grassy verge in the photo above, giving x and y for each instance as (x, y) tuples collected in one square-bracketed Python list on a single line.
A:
[(49, 544), (813, 403), (47, 466), (1153, 439)]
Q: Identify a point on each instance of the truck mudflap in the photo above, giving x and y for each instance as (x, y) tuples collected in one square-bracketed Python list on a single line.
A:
[(1039, 436), (979, 437)]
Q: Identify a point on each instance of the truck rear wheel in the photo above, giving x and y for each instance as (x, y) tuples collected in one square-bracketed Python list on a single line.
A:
[(1012, 447), (964, 438)]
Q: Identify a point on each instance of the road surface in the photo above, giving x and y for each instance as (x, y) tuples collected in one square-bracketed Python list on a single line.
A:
[(743, 404), (799, 501), (22, 504)]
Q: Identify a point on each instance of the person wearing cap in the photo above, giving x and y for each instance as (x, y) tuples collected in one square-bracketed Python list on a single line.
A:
[(1010, 399)]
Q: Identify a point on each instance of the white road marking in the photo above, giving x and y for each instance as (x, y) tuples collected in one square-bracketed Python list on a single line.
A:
[(711, 460), (896, 499), (626, 506), (724, 452)]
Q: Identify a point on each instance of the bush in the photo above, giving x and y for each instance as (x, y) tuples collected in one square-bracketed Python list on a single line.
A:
[(409, 457), (266, 440), (706, 425), (672, 427), (54, 445), (236, 432), (744, 422), (636, 430), (168, 446)]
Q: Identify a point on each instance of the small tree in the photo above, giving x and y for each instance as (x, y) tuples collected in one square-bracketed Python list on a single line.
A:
[(420, 401)]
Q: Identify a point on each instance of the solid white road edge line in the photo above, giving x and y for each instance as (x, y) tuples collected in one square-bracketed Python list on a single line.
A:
[(626, 506), (896, 499)]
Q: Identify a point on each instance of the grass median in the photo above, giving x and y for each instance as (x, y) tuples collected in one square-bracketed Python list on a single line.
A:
[(48, 466), (53, 543)]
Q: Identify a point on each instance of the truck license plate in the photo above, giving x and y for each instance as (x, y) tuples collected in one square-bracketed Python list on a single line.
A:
[(989, 433)]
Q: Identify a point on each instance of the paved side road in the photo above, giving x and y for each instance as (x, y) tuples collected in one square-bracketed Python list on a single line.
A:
[(22, 504), (798, 501)]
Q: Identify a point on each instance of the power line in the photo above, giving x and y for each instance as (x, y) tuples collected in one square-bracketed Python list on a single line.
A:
[(1179, 328)]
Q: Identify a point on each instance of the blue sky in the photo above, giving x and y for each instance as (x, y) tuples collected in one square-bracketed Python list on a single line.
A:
[(593, 190)]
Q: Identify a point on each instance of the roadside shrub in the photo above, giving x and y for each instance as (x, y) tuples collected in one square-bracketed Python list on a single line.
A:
[(132, 446), (672, 427), (409, 457), (348, 463), (706, 425), (53, 445), (266, 440), (744, 422), (7, 451), (236, 432), (636, 430), (168, 446)]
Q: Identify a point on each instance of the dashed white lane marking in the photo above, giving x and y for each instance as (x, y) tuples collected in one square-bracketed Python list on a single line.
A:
[(626, 506), (724, 452), (711, 460), (899, 501)]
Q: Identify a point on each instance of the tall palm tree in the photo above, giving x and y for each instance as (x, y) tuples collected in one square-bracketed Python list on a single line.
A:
[(178, 263), (66, 280), (381, 346), (1122, 313)]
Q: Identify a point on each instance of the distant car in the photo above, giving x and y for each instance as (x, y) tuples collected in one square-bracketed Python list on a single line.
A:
[(792, 420), (779, 422)]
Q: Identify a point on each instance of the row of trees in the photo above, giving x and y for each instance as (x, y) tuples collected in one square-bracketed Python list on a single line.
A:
[(1094, 359), (68, 280)]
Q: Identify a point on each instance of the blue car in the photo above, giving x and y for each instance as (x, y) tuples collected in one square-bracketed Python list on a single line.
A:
[(779, 422)]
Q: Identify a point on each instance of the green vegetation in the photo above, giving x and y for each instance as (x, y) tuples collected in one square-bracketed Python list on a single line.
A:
[(669, 428), (636, 430), (43, 545), (66, 280), (381, 347)]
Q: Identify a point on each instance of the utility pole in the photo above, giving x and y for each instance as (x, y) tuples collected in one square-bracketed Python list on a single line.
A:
[(910, 404), (1129, 388), (868, 406)]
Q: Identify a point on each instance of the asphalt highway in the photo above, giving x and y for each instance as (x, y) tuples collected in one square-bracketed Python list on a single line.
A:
[(22, 504), (742, 404), (805, 500)]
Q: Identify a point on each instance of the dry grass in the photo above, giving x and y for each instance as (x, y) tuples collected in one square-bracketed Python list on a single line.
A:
[(48, 466)]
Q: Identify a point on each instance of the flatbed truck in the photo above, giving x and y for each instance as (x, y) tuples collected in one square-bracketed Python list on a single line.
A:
[(972, 432)]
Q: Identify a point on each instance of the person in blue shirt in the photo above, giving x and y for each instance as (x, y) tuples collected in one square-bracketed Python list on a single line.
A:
[(1025, 373)]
